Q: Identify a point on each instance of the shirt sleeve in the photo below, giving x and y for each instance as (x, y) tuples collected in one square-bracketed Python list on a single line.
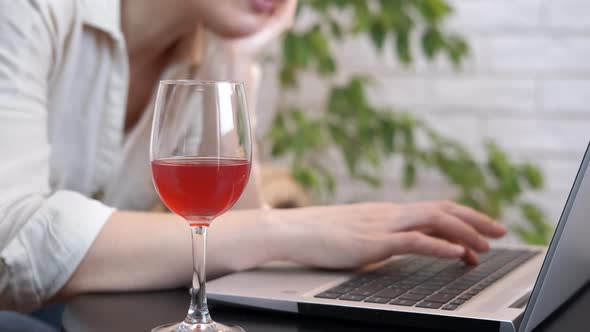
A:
[(43, 234)]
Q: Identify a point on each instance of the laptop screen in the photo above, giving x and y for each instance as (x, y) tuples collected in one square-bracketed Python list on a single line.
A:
[(566, 267)]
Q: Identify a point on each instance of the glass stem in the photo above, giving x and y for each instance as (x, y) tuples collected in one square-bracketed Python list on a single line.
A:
[(198, 313)]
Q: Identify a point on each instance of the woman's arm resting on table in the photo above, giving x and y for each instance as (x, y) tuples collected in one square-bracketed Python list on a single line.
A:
[(138, 250), (148, 250)]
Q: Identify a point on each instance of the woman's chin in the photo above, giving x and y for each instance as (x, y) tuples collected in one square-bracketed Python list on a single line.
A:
[(265, 6), (243, 27)]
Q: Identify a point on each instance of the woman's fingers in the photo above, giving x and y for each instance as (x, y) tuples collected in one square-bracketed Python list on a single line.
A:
[(470, 257), (436, 222), (418, 243), (415, 242), (455, 230), (482, 223)]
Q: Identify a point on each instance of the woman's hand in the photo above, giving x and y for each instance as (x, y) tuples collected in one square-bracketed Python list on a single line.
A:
[(251, 45), (280, 21), (350, 236)]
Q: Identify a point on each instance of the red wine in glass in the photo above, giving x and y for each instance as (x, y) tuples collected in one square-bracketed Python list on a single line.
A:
[(200, 154), (199, 188)]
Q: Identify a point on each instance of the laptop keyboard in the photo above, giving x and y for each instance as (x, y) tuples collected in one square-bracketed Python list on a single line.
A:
[(427, 282)]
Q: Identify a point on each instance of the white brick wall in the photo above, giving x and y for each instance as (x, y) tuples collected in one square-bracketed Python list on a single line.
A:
[(527, 85), (568, 14)]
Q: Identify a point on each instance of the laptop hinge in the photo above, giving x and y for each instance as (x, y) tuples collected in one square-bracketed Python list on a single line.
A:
[(521, 303)]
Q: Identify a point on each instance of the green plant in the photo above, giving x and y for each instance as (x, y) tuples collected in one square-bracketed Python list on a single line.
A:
[(365, 135)]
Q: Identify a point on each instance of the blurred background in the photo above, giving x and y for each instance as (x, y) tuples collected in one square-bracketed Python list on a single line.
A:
[(480, 101)]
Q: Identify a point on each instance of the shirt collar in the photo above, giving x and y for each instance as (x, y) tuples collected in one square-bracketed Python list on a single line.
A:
[(103, 15)]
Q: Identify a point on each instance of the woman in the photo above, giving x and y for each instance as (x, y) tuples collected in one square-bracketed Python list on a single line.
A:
[(76, 85)]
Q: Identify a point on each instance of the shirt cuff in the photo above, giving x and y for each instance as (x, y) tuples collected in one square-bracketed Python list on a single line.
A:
[(49, 248)]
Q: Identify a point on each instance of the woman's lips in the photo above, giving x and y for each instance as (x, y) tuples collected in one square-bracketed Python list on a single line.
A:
[(265, 5)]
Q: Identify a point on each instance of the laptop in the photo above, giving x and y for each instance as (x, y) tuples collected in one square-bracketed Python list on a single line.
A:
[(514, 288)]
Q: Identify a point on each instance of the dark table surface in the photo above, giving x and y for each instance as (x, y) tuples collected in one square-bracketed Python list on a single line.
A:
[(133, 312)]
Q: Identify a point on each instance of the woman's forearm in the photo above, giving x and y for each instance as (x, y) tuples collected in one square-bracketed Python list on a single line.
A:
[(144, 250), (138, 251)]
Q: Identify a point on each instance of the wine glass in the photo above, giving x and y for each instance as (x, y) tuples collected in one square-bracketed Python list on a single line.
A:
[(200, 154)]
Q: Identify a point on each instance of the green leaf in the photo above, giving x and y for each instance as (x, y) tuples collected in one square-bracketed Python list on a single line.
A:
[(510, 188), (372, 156), (457, 49), (351, 161), (533, 175), (356, 93), (326, 66), (388, 130), (533, 214), (306, 177), (287, 77), (493, 206), (377, 33), (469, 200), (409, 178), (330, 182), (431, 42), (279, 149), (433, 10), (371, 180), (338, 135), (290, 48), (498, 162), (317, 41), (406, 125), (532, 237), (362, 16), (402, 42), (338, 102), (336, 29)]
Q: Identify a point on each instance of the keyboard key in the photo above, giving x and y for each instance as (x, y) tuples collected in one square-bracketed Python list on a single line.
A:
[(426, 287), (351, 283), (449, 307), (433, 283), (440, 298), (464, 283), (445, 280), (362, 292), (457, 287), (429, 305), (340, 290), (349, 297), (327, 295), (450, 291), (390, 293), (412, 296), (377, 285), (403, 286), (422, 291), (457, 302), (409, 284), (406, 303), (378, 300)]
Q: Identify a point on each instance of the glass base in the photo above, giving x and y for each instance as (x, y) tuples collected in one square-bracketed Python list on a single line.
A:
[(184, 327)]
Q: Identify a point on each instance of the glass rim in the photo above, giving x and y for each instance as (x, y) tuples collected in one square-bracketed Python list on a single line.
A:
[(199, 82)]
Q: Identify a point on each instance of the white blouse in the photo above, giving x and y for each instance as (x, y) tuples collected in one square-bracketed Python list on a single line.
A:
[(63, 88)]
